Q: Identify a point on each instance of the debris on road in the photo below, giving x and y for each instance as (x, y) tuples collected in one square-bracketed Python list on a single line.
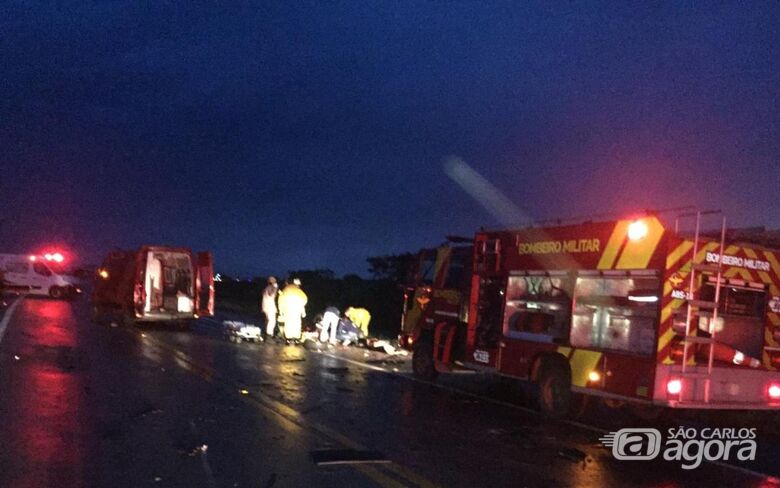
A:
[(199, 450), (329, 457), (572, 454)]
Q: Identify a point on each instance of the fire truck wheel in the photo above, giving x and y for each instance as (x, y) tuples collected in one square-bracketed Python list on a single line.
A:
[(554, 391), (422, 360), (579, 405), (56, 292)]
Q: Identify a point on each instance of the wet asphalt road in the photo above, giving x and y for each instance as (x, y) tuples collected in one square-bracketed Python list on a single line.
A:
[(93, 405)]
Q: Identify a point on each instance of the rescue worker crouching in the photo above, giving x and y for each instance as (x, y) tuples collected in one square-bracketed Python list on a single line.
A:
[(360, 317), (329, 325), (292, 309)]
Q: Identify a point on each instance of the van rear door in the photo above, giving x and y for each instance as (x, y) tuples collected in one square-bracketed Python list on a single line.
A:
[(205, 285), (17, 273)]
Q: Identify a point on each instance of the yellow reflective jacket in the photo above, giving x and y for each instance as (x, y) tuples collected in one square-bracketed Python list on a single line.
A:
[(360, 317), (292, 302)]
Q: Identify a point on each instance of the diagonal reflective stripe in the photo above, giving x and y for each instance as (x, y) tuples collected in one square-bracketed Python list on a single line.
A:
[(637, 254), (611, 250), (770, 256), (665, 339), (678, 253)]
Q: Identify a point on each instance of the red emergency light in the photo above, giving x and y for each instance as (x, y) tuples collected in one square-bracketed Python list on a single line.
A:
[(637, 230), (57, 257), (773, 391)]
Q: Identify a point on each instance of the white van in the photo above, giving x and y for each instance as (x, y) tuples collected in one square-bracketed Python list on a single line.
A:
[(30, 274)]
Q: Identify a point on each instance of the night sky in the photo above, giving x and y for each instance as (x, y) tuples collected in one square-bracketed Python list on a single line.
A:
[(315, 134)]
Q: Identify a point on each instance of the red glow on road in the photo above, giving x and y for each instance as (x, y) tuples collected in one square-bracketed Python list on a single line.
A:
[(53, 309), (47, 432)]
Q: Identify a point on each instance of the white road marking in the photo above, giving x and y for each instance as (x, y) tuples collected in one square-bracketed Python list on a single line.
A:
[(8, 314)]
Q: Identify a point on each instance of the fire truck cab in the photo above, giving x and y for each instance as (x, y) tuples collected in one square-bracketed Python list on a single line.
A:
[(438, 288), (625, 310)]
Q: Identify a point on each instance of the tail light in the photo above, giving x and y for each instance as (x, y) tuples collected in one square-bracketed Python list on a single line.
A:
[(674, 387), (773, 391)]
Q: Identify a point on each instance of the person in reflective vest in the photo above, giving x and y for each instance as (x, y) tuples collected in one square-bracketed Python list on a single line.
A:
[(360, 317), (292, 309)]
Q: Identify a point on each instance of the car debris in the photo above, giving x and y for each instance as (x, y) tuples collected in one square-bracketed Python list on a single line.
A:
[(572, 454), (329, 457)]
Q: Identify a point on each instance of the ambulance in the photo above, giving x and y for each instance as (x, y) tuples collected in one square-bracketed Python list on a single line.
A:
[(154, 284), (31, 274)]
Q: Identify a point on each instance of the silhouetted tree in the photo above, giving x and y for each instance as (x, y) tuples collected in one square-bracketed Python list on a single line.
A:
[(394, 267)]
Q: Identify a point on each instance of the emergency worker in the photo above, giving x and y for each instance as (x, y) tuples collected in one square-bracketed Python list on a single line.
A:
[(292, 309), (329, 325), (268, 305), (360, 317)]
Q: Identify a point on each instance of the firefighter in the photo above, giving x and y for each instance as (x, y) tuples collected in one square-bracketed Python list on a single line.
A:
[(329, 324), (268, 306), (292, 308), (360, 317)]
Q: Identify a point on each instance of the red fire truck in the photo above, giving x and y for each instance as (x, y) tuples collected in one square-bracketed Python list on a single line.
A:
[(626, 310)]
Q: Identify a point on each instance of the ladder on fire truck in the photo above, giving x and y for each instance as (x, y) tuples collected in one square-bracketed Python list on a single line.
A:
[(692, 339)]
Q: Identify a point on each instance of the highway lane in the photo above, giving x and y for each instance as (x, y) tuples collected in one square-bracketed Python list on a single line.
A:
[(109, 406), (95, 406)]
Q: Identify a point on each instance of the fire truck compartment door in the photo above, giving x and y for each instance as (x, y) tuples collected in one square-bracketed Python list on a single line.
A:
[(205, 292)]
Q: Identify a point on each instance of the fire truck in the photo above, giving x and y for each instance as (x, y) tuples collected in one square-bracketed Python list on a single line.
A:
[(627, 310)]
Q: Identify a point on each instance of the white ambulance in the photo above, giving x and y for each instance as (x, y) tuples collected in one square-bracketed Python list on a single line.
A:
[(31, 274)]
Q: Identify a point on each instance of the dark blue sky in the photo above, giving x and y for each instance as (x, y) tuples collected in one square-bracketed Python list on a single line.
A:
[(313, 134)]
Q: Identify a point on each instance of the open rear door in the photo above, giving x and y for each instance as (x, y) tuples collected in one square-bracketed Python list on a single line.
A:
[(205, 283)]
